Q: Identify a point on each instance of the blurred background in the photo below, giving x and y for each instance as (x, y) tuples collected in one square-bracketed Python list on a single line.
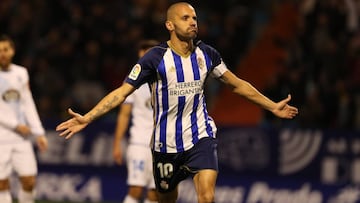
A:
[(76, 51)]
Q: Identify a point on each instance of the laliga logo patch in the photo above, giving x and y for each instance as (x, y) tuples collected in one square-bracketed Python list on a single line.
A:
[(135, 72)]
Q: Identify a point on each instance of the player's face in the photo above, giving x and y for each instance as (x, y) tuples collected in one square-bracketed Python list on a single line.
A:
[(185, 23), (6, 54)]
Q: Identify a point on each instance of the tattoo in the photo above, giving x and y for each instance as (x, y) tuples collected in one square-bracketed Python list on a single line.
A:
[(105, 108)]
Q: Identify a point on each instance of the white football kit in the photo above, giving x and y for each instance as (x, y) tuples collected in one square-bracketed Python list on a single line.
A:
[(138, 154), (17, 107)]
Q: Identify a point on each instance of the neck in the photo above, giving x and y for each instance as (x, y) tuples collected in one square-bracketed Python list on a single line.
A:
[(183, 47), (4, 67)]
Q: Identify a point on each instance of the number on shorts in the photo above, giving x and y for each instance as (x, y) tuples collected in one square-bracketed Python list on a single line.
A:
[(166, 170)]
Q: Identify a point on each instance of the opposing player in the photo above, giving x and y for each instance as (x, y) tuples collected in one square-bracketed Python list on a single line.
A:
[(183, 141), (19, 120), (138, 157)]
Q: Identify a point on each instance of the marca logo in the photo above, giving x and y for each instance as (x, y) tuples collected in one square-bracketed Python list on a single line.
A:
[(297, 149)]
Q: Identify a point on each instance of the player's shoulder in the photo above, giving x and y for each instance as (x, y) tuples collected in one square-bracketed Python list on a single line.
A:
[(18, 68), (160, 48), (205, 47), (154, 54)]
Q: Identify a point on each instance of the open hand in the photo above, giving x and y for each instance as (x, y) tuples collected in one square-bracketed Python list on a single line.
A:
[(23, 130), (283, 110), (118, 156), (42, 143), (73, 125)]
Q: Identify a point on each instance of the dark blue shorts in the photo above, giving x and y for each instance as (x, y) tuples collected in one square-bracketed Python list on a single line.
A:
[(171, 168)]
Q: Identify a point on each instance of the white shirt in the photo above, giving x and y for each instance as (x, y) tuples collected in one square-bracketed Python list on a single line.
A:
[(17, 105), (142, 123)]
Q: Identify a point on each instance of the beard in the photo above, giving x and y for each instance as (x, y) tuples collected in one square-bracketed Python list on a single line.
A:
[(190, 35), (4, 64)]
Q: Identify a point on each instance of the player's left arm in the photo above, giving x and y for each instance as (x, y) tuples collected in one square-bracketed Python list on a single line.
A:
[(33, 119), (122, 124), (42, 143), (243, 88), (31, 114)]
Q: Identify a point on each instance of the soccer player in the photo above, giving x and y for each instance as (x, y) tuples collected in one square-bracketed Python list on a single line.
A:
[(138, 154), (183, 141), (18, 121)]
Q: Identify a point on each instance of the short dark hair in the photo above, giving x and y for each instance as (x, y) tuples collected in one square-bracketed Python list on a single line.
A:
[(146, 44), (5, 38)]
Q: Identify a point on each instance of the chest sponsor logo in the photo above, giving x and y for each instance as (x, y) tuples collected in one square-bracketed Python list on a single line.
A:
[(11, 95), (186, 88)]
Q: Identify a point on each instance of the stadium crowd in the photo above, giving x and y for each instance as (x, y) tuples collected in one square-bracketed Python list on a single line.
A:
[(86, 48), (323, 65)]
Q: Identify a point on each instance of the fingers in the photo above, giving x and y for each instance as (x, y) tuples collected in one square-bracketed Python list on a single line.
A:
[(67, 133), (42, 143), (287, 99), (66, 128), (292, 111), (71, 112), (43, 146), (71, 126), (118, 160), (291, 115), (60, 127), (64, 125), (295, 110), (69, 122)]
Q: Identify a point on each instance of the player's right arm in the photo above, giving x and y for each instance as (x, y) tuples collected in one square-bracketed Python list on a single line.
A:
[(110, 101), (246, 90), (8, 123), (121, 128)]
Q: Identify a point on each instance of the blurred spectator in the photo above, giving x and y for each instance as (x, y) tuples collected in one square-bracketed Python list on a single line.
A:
[(326, 54)]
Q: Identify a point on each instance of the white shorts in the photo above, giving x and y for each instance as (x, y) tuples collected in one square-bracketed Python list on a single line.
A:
[(19, 157), (139, 166)]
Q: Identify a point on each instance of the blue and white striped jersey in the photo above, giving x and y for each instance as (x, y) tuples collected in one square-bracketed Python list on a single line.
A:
[(177, 85)]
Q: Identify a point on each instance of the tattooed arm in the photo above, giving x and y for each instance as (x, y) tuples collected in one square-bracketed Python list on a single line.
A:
[(79, 122)]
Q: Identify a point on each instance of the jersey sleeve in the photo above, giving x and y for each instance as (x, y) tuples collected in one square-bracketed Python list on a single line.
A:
[(219, 70), (217, 64), (8, 123), (130, 99), (144, 70), (30, 111)]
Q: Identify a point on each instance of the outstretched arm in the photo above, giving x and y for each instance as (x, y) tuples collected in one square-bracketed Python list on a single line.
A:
[(79, 122), (245, 89)]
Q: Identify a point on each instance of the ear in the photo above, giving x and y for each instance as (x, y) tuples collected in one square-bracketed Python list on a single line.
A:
[(169, 25), (12, 52)]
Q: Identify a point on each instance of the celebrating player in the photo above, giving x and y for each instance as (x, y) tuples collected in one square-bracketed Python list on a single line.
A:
[(184, 138)]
